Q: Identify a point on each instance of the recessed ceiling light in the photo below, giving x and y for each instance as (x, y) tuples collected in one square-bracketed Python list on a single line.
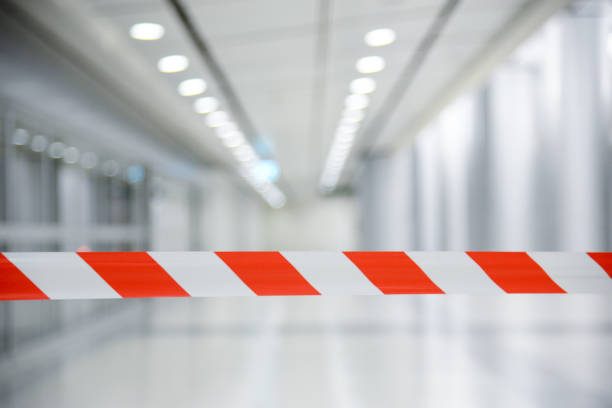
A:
[(347, 128), (56, 150), (147, 31), (20, 137), (135, 174), (190, 87), (244, 153), (234, 139), (39, 143), (342, 138), (380, 37), (356, 101), (369, 65), (225, 129), (363, 85), (352, 116), (278, 203), (217, 118), (71, 155), (173, 63), (267, 170), (205, 105)]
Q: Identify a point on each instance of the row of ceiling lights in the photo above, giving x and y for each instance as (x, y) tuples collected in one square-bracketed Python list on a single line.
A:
[(71, 155), (252, 168), (355, 105)]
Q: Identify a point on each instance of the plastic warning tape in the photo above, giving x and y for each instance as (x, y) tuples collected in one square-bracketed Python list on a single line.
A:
[(98, 275)]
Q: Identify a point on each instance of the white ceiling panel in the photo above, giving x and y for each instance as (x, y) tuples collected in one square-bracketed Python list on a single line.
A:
[(291, 62)]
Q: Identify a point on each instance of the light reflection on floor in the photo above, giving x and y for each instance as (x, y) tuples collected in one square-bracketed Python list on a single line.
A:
[(398, 351)]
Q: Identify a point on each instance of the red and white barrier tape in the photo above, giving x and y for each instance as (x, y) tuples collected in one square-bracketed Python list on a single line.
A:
[(97, 275)]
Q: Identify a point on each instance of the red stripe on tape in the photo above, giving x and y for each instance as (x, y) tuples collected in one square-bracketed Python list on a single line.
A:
[(393, 272), (14, 285), (603, 259), (267, 273), (515, 272), (133, 274)]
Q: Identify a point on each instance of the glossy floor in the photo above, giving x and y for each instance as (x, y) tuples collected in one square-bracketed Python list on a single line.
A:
[(395, 351)]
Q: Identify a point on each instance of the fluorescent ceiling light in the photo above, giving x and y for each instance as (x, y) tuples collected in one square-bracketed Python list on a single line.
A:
[(20, 137), (244, 153), (191, 87), (234, 139), (348, 128), (267, 170), (369, 65), (356, 101), (217, 118), (205, 105), (147, 31), (380, 37), (352, 116), (225, 129), (173, 63), (71, 155), (39, 143), (56, 150), (362, 85)]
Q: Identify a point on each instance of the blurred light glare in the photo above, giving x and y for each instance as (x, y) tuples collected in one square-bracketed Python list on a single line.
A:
[(356, 101), (135, 174), (190, 87), (110, 168), (362, 85), (353, 113), (147, 31), (20, 137), (173, 63), (335, 168), (39, 143), (244, 153), (352, 116), (225, 129), (206, 104), (343, 146), (347, 128), (217, 118), (370, 65), (233, 139), (71, 155), (341, 154), (267, 170), (56, 150), (380, 37), (89, 160), (278, 203)]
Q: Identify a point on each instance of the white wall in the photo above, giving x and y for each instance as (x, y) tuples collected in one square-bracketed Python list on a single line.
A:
[(521, 164), (169, 216), (323, 224)]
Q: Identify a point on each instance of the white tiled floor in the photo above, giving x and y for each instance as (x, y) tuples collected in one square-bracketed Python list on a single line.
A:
[(423, 351)]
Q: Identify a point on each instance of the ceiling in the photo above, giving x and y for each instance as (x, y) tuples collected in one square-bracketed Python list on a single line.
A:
[(290, 64)]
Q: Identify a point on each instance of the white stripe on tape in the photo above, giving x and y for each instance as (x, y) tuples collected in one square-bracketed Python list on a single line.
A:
[(454, 272), (201, 273), (574, 272), (62, 275), (331, 273)]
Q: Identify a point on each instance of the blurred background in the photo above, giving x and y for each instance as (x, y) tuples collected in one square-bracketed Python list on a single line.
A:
[(306, 125)]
